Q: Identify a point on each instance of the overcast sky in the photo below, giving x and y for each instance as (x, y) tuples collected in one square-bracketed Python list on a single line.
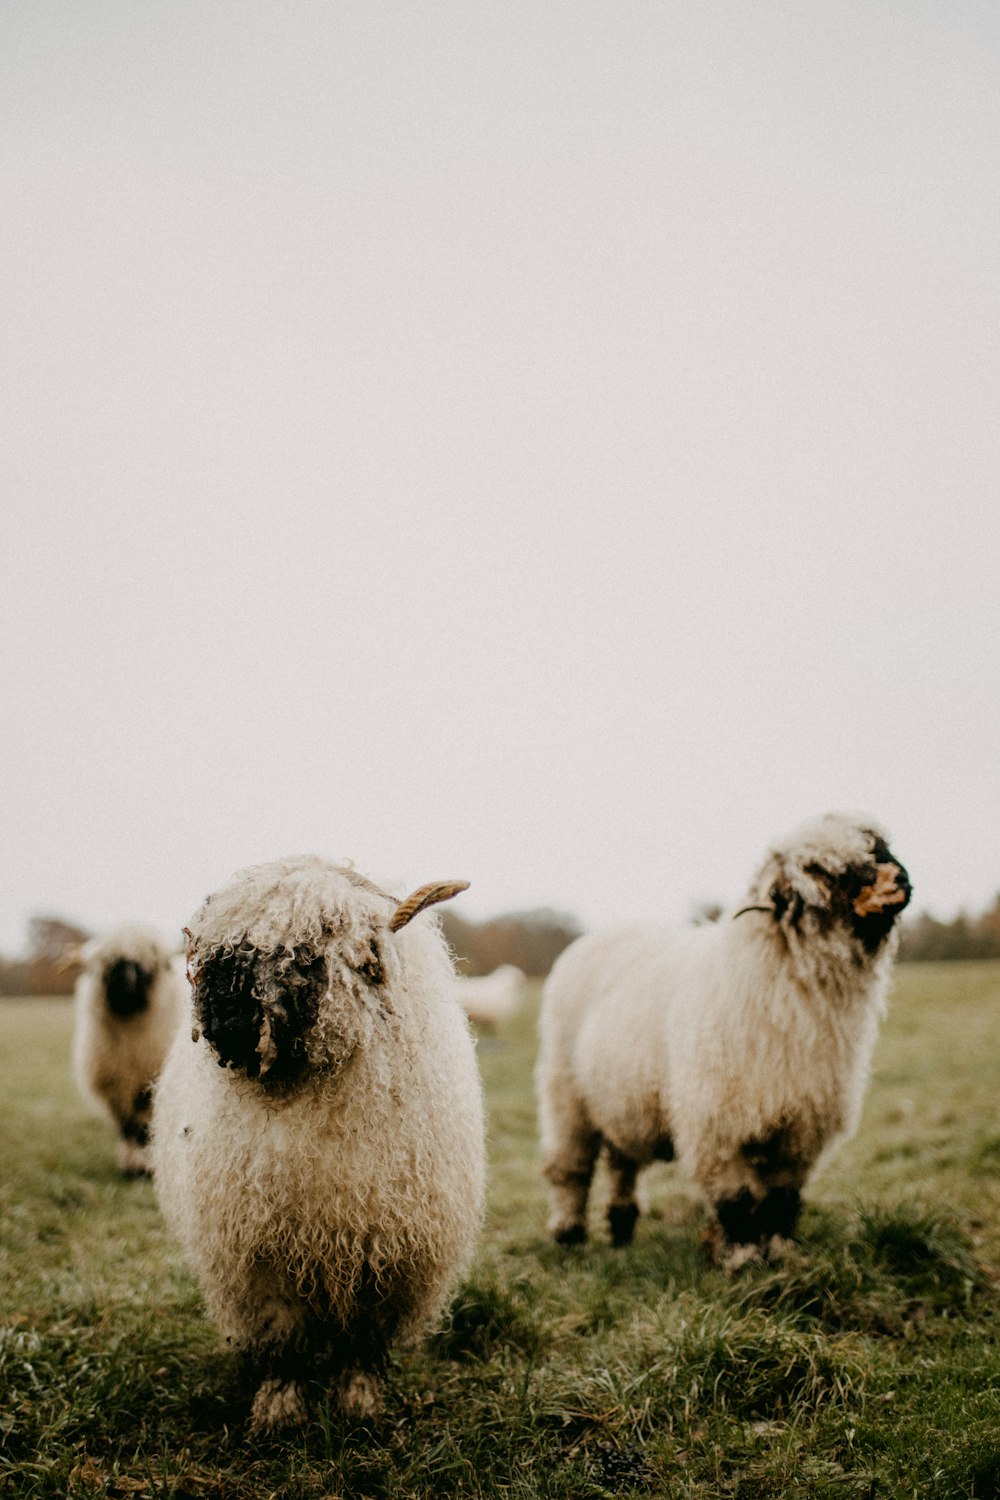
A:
[(551, 443)]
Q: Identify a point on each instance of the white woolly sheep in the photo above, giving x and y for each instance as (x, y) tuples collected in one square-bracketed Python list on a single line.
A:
[(741, 1047), (491, 1000), (318, 1134), (129, 1000)]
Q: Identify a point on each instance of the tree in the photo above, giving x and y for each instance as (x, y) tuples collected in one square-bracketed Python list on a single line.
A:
[(52, 967)]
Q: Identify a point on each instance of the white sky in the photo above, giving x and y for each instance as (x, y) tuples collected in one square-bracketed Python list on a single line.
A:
[(552, 444)]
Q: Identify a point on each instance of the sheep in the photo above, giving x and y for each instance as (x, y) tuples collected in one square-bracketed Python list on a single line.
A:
[(128, 1002), (740, 1047), (318, 1134), (490, 1000)]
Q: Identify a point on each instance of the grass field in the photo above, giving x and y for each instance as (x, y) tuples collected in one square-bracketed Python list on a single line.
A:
[(867, 1365)]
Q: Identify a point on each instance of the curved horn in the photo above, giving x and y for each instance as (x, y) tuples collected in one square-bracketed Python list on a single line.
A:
[(426, 895)]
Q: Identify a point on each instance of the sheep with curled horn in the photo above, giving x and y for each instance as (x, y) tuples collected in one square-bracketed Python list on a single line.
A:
[(128, 1003), (741, 1048), (318, 1140)]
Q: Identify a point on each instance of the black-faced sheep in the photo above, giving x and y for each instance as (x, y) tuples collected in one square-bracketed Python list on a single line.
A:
[(318, 1138), (129, 1000), (741, 1047), (491, 1000)]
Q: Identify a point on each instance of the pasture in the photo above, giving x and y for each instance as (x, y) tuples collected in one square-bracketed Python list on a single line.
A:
[(867, 1365)]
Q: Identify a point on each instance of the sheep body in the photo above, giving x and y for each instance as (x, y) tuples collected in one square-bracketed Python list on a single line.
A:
[(742, 1047), (327, 1182), (491, 1000), (128, 1002)]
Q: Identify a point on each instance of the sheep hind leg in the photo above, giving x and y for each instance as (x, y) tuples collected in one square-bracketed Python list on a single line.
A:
[(623, 1210), (570, 1176)]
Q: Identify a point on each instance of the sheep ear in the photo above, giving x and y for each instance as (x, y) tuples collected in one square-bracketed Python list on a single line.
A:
[(426, 895), (76, 954)]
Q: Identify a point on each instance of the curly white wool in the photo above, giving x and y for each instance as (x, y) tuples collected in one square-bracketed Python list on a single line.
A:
[(116, 1058), (332, 1213), (742, 1047)]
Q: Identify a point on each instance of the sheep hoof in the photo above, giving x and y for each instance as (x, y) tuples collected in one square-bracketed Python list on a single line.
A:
[(359, 1395), (621, 1221), (570, 1234), (132, 1160), (277, 1404)]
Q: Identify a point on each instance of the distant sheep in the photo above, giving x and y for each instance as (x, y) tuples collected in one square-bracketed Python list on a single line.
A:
[(491, 1000), (741, 1047), (129, 1001), (318, 1140)]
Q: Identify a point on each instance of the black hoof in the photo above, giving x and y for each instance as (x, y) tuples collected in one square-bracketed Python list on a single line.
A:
[(621, 1222), (573, 1234)]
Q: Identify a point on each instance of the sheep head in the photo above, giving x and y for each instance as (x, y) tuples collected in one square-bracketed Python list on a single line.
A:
[(836, 872), (293, 967), (126, 964)]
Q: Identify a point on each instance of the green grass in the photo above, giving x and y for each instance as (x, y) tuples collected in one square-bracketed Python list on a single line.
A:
[(866, 1364)]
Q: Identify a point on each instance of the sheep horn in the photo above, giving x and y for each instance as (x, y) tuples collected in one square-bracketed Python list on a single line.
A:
[(426, 895)]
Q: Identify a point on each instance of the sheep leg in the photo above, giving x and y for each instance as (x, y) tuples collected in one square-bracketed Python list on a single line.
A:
[(623, 1210), (758, 1202), (133, 1129), (572, 1145), (570, 1152), (279, 1360)]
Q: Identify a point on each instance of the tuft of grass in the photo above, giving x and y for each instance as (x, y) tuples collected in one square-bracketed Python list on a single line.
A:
[(882, 1272), (487, 1317)]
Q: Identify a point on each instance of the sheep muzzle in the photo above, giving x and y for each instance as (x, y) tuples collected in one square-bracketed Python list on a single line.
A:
[(126, 988), (891, 887), (256, 1010)]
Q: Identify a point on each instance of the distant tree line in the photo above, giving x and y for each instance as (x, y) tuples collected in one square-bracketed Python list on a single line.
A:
[(48, 967), (532, 940), (924, 937)]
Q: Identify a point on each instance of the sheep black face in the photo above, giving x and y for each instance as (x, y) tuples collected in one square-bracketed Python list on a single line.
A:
[(126, 986), (864, 893), (256, 1009)]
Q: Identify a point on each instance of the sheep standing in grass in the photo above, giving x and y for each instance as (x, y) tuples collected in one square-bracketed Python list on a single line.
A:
[(318, 1142), (741, 1047), (129, 1001), (491, 1000)]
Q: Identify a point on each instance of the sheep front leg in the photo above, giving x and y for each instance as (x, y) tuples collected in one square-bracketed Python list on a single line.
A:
[(757, 1198), (279, 1360)]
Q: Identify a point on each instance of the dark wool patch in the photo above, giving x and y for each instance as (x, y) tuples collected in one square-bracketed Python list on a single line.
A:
[(747, 1220), (663, 1148), (772, 1153), (135, 1127), (126, 988), (228, 997), (370, 968), (874, 927)]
